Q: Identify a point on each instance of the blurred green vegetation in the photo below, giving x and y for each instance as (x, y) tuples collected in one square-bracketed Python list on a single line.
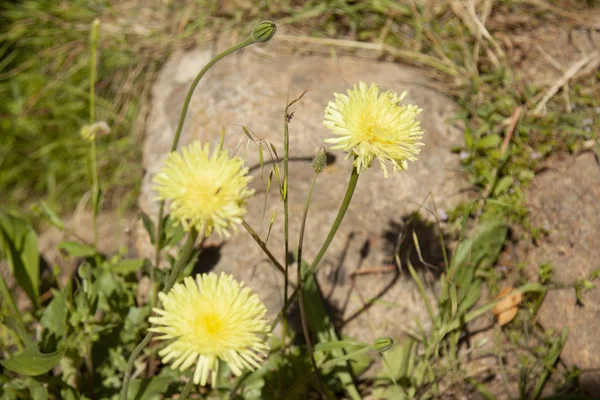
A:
[(44, 84)]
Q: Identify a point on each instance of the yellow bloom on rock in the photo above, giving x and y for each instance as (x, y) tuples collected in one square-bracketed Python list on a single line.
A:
[(206, 190), (368, 124), (209, 319)]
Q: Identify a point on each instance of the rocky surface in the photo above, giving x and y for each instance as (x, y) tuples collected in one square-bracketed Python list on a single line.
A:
[(564, 201), (251, 89)]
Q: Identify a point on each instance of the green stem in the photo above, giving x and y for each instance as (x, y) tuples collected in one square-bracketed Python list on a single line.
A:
[(263, 246), (336, 224), (187, 389), (286, 227), (159, 230), (95, 191), (94, 168), (301, 291), (184, 257)]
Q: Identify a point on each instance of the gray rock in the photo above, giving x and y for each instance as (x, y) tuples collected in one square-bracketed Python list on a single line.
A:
[(251, 89), (565, 201)]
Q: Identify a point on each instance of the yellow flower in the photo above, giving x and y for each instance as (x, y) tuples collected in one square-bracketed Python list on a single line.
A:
[(214, 317), (206, 190), (369, 125)]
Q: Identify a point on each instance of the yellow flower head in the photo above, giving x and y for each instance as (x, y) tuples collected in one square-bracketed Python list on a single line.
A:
[(368, 125), (206, 190), (213, 317)]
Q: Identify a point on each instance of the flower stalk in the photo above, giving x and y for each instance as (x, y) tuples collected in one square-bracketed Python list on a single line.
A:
[(184, 257), (261, 33)]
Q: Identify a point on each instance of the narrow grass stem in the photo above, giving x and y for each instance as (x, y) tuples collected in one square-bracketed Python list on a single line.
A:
[(184, 257), (263, 246), (301, 291), (286, 216), (94, 167)]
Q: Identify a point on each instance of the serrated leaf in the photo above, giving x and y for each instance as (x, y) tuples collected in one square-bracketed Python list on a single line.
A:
[(31, 362), (18, 243), (75, 249), (54, 318)]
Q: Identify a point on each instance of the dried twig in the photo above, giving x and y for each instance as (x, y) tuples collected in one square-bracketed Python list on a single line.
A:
[(591, 58)]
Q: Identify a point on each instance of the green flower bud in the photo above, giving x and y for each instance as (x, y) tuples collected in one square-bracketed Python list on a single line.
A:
[(85, 271), (264, 32), (383, 344), (319, 160)]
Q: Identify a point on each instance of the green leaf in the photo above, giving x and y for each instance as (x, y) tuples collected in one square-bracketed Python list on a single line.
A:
[(75, 249), (503, 185), (148, 389), (489, 142), (54, 318), (31, 362), (482, 249), (148, 225), (18, 243), (126, 267), (52, 216), (37, 390)]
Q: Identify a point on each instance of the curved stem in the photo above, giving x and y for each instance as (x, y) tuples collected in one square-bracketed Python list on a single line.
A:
[(301, 291), (159, 228), (184, 257)]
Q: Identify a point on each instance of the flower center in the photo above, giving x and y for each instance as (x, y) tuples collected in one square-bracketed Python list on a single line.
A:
[(206, 195), (210, 324)]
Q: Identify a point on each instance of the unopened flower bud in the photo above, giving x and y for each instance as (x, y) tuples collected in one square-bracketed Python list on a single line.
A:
[(264, 32), (90, 132), (319, 160), (383, 344)]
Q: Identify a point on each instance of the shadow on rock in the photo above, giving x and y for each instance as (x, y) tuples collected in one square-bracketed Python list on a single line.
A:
[(207, 259), (428, 256)]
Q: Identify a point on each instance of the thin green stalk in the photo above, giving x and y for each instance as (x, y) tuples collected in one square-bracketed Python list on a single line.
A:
[(336, 224), (94, 167), (187, 389), (263, 246), (303, 318), (260, 34), (284, 194), (184, 257)]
